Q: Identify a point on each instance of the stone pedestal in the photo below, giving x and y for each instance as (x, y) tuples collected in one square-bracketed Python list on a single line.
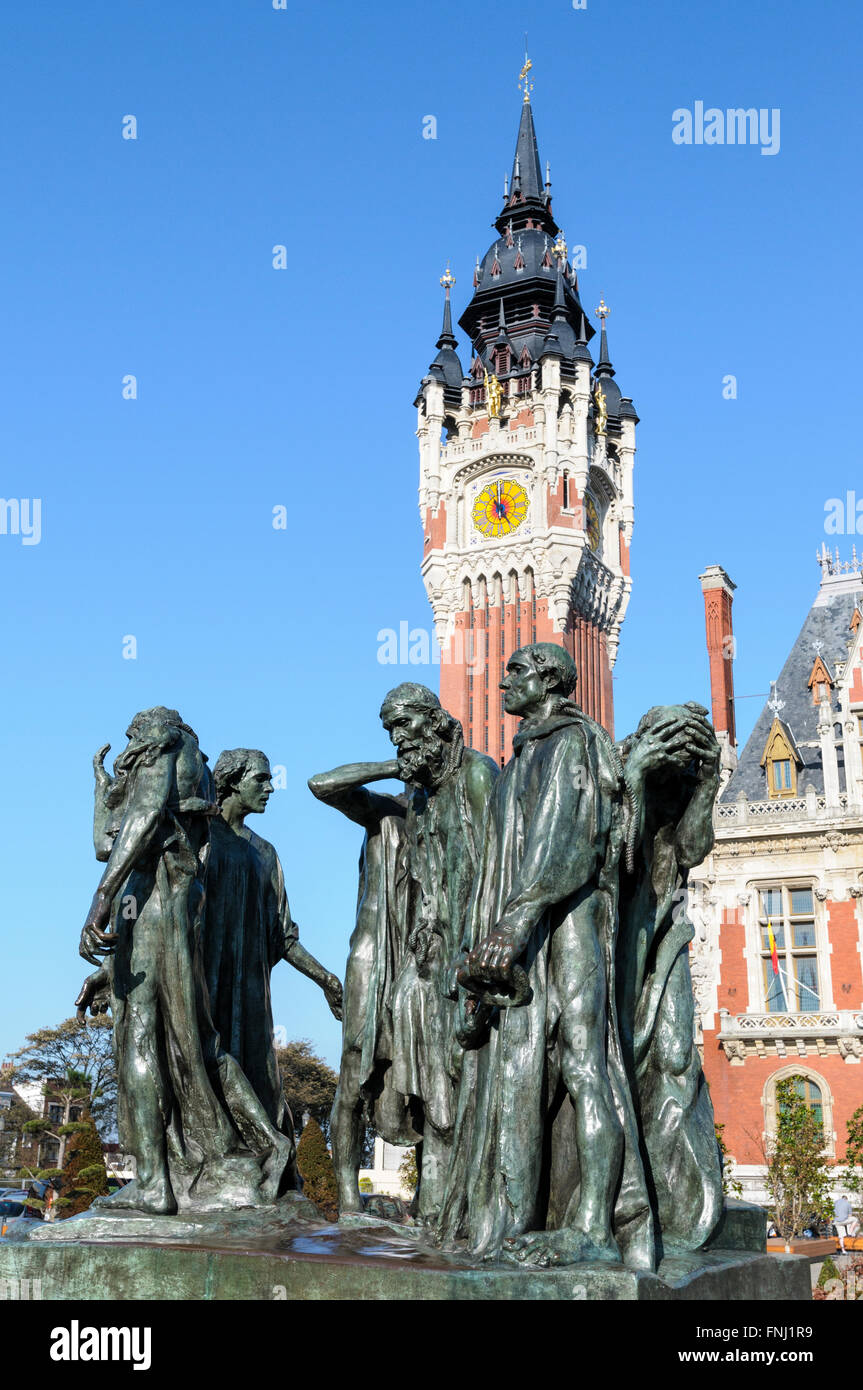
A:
[(278, 1255)]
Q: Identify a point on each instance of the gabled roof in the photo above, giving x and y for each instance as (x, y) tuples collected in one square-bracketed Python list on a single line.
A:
[(821, 673), (780, 731), (824, 633)]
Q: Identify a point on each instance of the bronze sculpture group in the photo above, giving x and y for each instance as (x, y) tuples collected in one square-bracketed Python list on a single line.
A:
[(517, 997)]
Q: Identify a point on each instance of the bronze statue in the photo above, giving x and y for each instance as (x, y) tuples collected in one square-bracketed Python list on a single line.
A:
[(556, 1117), (547, 1164), (201, 1138), (672, 771), (399, 1054), (248, 929), (517, 1000)]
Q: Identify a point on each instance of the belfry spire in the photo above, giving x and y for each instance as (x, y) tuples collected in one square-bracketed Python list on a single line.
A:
[(447, 337), (526, 464)]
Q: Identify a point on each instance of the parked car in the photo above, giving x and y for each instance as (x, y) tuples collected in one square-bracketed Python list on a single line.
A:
[(386, 1207), (13, 1207)]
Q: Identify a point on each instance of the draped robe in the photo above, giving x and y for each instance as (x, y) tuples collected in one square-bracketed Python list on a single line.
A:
[(248, 929), (548, 865), (657, 1015), (179, 1092)]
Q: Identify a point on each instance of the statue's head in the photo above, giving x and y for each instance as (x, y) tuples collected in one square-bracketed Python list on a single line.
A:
[(672, 783), (535, 672), (149, 734), (421, 730), (660, 714), (243, 775)]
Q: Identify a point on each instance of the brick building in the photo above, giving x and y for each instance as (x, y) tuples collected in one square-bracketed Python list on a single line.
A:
[(788, 859)]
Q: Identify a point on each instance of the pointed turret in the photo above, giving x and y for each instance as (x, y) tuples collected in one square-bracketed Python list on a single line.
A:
[(604, 371), (503, 339), (518, 271), (526, 166), (447, 338), (561, 332), (581, 352), (526, 199), (447, 366)]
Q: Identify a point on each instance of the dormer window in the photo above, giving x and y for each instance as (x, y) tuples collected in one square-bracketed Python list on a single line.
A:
[(781, 761), (820, 681)]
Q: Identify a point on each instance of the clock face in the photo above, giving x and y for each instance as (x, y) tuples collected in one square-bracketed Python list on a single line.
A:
[(594, 532), (500, 508)]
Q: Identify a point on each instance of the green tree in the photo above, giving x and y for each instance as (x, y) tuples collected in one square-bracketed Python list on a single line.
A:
[(310, 1085), (84, 1173), (75, 1064), (730, 1186), (316, 1171), (854, 1154), (408, 1170), (14, 1135), (797, 1178)]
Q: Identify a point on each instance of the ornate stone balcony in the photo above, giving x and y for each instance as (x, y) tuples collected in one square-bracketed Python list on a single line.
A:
[(831, 1031), (801, 808)]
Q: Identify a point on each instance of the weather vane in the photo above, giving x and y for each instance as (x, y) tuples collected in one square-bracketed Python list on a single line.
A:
[(775, 703), (602, 309), (447, 280), (523, 82)]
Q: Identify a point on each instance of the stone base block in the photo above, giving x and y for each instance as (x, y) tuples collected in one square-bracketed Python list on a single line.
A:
[(311, 1261)]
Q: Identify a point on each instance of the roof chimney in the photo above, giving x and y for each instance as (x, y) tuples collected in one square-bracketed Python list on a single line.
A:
[(718, 592)]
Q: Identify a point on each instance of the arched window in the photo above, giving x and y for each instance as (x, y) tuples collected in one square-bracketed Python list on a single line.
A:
[(810, 1093), (812, 1089)]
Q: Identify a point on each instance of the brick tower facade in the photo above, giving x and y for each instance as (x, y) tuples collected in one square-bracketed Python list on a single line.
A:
[(526, 470)]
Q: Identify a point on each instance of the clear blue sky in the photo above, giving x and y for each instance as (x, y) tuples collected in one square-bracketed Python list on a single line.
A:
[(259, 387)]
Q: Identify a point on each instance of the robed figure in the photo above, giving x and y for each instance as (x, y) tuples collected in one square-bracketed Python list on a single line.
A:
[(546, 1164), (400, 1060), (201, 1137), (672, 772), (248, 929)]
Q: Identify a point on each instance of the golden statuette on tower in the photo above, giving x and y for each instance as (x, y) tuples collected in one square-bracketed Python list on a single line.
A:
[(493, 396), (600, 419)]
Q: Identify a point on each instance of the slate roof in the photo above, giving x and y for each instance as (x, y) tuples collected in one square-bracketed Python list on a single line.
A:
[(828, 623), (520, 290)]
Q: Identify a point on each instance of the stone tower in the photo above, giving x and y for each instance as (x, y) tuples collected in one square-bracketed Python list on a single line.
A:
[(526, 469)]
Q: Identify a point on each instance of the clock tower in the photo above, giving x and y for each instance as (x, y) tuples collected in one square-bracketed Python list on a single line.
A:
[(526, 466)]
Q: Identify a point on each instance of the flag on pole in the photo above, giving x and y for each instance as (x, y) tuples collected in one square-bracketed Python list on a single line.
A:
[(774, 954)]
